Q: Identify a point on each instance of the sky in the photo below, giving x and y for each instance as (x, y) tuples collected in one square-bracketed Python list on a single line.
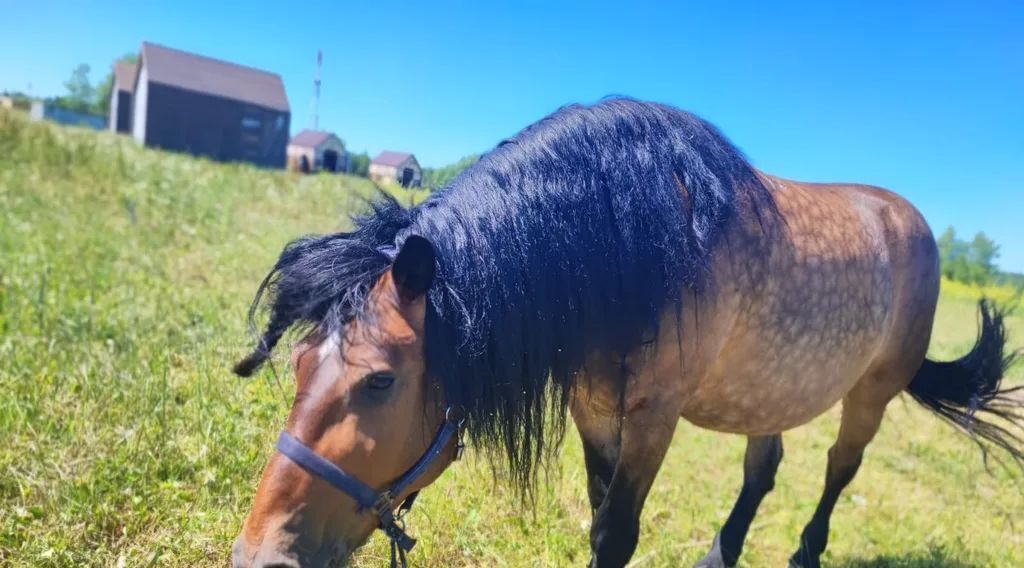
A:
[(924, 98)]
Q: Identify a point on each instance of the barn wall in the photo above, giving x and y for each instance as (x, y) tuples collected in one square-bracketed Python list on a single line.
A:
[(383, 174), (295, 154), (217, 128), (112, 118), (332, 143), (121, 111), (417, 175), (140, 106), (392, 174)]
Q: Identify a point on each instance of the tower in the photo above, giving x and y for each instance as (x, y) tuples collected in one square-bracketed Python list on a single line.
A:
[(316, 90)]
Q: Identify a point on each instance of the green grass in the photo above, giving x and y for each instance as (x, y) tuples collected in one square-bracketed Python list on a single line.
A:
[(125, 275)]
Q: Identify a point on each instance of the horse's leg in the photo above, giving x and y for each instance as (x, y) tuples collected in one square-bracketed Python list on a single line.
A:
[(862, 415), (623, 456), (764, 453)]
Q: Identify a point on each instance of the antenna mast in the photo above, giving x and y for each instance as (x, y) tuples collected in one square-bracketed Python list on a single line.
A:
[(316, 86)]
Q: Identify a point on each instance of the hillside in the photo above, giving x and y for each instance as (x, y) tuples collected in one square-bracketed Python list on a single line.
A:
[(125, 278)]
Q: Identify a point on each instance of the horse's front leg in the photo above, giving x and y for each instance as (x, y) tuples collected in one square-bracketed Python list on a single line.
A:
[(624, 442)]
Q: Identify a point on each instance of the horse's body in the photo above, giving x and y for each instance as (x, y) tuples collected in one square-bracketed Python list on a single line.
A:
[(800, 320), (840, 308), (699, 289)]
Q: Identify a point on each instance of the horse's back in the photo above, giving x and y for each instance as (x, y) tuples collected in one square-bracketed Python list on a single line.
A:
[(845, 285)]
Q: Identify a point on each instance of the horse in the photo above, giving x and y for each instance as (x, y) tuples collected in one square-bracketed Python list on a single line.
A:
[(623, 264)]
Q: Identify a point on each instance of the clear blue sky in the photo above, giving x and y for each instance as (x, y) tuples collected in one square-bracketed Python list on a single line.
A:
[(926, 98)]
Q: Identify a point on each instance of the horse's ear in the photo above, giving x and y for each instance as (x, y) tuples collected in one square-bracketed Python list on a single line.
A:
[(414, 268)]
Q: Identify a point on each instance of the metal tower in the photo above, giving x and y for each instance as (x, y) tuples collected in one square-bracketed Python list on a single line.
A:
[(316, 86)]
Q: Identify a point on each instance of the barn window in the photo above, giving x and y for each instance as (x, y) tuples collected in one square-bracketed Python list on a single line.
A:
[(250, 122)]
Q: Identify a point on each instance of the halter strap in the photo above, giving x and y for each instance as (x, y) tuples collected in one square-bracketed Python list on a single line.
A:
[(381, 503)]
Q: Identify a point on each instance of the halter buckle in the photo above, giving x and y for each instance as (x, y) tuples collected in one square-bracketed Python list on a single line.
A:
[(384, 507), (459, 417)]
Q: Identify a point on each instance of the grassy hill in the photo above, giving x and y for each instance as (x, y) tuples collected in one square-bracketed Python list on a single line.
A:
[(125, 275)]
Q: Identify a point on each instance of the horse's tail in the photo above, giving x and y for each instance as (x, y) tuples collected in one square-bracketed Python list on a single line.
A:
[(968, 392)]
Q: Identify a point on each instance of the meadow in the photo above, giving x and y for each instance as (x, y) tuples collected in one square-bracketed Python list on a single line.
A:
[(125, 278)]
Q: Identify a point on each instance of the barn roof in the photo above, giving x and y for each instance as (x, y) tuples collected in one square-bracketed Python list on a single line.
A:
[(124, 75), (311, 138), (387, 158), (213, 77)]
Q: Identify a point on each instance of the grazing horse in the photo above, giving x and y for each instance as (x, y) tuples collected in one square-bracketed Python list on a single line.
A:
[(625, 264)]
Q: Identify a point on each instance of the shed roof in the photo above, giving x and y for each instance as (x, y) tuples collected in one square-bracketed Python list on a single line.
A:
[(387, 158), (124, 75), (311, 138), (213, 77)]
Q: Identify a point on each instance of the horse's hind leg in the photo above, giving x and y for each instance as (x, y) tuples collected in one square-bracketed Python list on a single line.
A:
[(764, 453), (863, 408)]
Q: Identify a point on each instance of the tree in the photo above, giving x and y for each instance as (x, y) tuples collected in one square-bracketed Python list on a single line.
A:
[(81, 95), (439, 177), (359, 164), (946, 242), (983, 251), (971, 262)]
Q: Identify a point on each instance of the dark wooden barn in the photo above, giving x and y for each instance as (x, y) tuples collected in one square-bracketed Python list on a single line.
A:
[(207, 107), (120, 119)]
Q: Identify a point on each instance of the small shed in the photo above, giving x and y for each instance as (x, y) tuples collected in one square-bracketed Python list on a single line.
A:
[(120, 119), (317, 151), (396, 167), (208, 107)]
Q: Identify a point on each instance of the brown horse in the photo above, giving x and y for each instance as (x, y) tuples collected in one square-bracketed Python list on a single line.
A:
[(625, 264)]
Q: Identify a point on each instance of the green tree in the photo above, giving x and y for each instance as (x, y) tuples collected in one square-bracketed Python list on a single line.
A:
[(971, 262), (984, 252), (946, 243), (81, 95), (439, 177), (359, 164)]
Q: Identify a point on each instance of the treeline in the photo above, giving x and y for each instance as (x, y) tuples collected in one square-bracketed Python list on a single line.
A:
[(81, 94), (973, 261), (436, 178)]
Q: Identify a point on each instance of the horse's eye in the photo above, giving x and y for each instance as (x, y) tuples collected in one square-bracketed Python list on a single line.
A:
[(380, 381)]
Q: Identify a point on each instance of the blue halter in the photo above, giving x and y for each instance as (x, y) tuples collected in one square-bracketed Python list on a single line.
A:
[(381, 503)]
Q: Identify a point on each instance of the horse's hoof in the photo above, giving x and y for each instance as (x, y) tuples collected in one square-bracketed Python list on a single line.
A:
[(811, 564), (714, 558)]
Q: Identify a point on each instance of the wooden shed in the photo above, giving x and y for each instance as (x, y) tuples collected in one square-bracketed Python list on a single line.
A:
[(396, 167), (212, 108), (120, 119), (317, 151)]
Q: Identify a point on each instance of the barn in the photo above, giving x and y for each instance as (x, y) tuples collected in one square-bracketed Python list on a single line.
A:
[(120, 119), (396, 167), (314, 150), (207, 107)]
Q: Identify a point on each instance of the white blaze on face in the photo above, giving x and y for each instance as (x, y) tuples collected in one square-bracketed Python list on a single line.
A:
[(330, 346)]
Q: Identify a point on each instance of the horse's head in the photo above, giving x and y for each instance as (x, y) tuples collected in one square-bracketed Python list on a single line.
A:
[(364, 404)]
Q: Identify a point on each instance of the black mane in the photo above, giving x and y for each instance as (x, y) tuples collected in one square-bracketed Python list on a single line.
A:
[(571, 238)]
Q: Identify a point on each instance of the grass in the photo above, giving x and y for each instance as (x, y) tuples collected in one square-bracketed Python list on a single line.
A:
[(125, 275)]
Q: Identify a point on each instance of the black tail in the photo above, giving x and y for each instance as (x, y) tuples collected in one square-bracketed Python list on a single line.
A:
[(967, 392)]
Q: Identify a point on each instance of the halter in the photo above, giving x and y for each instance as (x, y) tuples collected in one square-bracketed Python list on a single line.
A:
[(381, 503)]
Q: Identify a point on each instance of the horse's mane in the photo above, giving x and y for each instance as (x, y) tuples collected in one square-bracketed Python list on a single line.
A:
[(569, 239)]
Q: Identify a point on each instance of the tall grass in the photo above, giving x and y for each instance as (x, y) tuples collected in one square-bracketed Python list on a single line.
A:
[(125, 275)]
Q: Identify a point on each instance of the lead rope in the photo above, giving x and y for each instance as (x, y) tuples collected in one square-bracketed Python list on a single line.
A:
[(398, 559), (398, 554)]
